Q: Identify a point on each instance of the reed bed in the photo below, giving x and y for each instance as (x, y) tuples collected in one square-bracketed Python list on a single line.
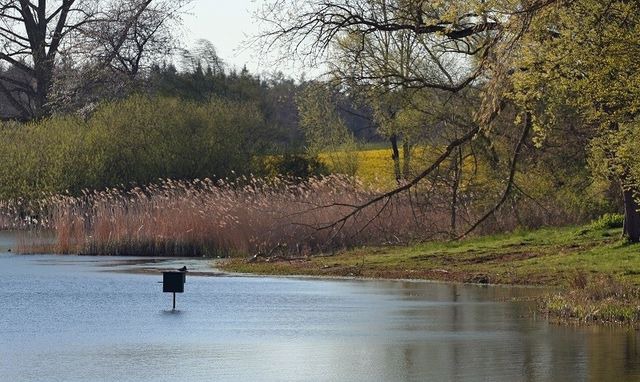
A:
[(595, 299), (264, 217), (275, 217), (25, 215)]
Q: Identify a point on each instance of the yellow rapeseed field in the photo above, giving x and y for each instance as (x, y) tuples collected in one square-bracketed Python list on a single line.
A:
[(375, 166)]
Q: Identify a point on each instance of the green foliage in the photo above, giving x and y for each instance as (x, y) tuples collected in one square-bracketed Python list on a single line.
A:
[(325, 130), (137, 140), (583, 55), (608, 221), (294, 165), (322, 125), (204, 80)]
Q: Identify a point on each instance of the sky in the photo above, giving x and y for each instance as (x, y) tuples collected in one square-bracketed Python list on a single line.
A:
[(228, 25)]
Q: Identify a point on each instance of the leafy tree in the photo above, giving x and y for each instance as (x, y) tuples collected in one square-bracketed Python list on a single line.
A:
[(583, 55), (381, 39), (396, 70), (324, 129)]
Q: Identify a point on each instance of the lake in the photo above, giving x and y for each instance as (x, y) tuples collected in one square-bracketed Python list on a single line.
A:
[(79, 319)]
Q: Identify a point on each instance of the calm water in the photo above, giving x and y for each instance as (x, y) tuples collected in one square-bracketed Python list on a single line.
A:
[(66, 319)]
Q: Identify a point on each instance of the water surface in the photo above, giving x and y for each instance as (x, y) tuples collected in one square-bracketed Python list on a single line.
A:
[(66, 319)]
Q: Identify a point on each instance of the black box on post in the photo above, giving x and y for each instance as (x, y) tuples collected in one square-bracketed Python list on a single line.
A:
[(173, 282)]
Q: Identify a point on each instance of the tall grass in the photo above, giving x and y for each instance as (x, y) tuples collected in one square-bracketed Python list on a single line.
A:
[(25, 215), (207, 218), (596, 298), (255, 216)]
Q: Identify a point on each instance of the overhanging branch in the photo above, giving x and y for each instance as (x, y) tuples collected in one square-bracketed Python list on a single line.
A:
[(512, 172)]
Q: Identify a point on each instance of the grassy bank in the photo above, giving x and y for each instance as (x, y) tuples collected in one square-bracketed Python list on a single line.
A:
[(597, 273), (551, 256)]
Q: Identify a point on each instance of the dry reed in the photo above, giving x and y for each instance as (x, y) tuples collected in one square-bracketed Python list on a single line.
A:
[(220, 218), (250, 216)]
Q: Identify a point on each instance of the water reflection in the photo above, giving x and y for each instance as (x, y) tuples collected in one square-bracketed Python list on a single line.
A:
[(72, 322)]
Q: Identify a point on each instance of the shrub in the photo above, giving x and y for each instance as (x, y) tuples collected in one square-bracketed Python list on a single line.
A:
[(133, 141), (608, 221), (294, 166)]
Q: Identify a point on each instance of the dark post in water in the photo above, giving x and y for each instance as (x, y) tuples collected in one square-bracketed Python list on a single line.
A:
[(173, 282)]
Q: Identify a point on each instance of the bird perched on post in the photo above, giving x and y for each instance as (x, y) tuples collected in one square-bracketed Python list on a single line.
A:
[(183, 269)]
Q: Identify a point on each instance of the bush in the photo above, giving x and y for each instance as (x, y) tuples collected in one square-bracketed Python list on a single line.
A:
[(608, 221), (294, 166), (134, 141)]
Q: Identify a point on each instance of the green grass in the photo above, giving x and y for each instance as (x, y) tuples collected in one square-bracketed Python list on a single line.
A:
[(601, 299), (550, 256)]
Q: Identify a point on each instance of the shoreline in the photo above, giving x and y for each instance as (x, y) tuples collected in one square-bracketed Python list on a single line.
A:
[(590, 273), (224, 273), (216, 271), (591, 276), (557, 305)]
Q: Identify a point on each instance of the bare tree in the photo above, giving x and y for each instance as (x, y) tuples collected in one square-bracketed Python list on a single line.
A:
[(451, 46), (34, 35), (133, 37), (203, 56)]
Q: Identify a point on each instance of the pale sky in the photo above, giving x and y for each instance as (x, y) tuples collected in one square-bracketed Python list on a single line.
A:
[(227, 24)]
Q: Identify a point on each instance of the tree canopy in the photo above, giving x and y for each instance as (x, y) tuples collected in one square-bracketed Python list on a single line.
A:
[(536, 57), (583, 55), (45, 42)]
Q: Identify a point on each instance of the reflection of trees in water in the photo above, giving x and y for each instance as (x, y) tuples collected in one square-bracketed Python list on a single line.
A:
[(457, 333), (632, 351), (613, 354), (464, 332)]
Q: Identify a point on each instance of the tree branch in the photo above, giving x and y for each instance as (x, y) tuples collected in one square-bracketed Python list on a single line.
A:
[(512, 172)]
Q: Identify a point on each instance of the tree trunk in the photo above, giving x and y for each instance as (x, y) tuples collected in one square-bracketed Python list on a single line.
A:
[(457, 174), (42, 90), (395, 155), (631, 228), (406, 159)]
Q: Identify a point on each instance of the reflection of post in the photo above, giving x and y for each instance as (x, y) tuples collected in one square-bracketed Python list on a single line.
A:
[(174, 300)]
